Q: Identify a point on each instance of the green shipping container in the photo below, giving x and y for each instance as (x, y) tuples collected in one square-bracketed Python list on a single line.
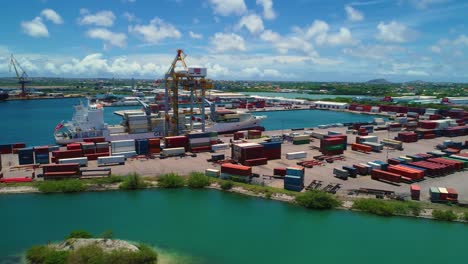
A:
[(301, 142), (465, 162), (336, 147)]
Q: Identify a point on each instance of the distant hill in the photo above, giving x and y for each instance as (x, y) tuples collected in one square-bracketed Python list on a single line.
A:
[(378, 81)]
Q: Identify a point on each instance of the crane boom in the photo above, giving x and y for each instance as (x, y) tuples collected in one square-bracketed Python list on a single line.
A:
[(22, 77)]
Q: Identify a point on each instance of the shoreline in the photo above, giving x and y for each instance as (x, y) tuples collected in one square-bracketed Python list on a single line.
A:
[(347, 202)]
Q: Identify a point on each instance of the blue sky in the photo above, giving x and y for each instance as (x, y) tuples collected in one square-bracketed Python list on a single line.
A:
[(305, 40)]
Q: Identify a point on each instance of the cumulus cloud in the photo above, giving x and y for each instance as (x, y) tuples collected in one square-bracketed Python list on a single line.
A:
[(102, 18), (285, 44), (109, 37), (156, 31), (228, 7), (51, 15), (253, 23), (129, 16), (319, 31), (223, 42), (393, 32), (353, 14), (35, 28), (195, 35), (376, 52), (268, 12)]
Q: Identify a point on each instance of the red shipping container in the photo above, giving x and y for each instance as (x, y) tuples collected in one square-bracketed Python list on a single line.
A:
[(385, 175), (255, 162), (361, 147), (272, 154), (429, 136), (393, 161), (405, 171), (415, 191), (73, 146), (18, 145), (452, 194), (279, 171), (236, 169)]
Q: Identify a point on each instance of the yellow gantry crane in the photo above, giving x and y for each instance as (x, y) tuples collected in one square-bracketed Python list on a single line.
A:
[(189, 79), (21, 74)]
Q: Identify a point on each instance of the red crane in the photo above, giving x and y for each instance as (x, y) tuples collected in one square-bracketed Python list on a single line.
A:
[(22, 76)]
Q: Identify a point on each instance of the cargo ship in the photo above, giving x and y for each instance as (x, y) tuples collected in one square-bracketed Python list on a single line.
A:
[(3, 95), (88, 121)]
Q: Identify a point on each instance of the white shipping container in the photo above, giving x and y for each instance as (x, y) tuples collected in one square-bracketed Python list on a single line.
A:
[(374, 165), (123, 143), (369, 139), (212, 173), (220, 146), (172, 151), (116, 159), (199, 140), (319, 135), (127, 154), (296, 155), (123, 149), (83, 161), (116, 129)]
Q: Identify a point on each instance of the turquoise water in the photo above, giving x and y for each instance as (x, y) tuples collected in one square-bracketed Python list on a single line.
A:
[(33, 121), (213, 227)]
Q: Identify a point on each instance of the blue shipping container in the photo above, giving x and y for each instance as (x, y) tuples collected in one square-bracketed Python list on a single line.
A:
[(271, 145), (294, 180), (294, 172), (294, 188)]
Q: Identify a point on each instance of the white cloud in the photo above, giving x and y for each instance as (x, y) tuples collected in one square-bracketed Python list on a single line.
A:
[(223, 42), (35, 28), (343, 37), (229, 7), (51, 15), (319, 31), (376, 52), (109, 37), (129, 16), (268, 12), (393, 32), (423, 4), (103, 18), (417, 73), (461, 40), (317, 28), (435, 49), (285, 44), (156, 31), (253, 23), (195, 35), (353, 14)]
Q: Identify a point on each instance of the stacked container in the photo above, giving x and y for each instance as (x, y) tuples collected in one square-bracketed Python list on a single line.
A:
[(154, 145), (249, 154), (279, 172), (137, 123), (88, 148), (301, 139), (73, 146), (26, 156), (333, 145), (41, 155), (141, 146), (123, 147), (294, 178), (66, 154), (408, 137), (413, 174), (236, 172), (415, 191), (382, 175), (254, 134), (202, 141), (102, 147), (176, 142), (272, 150)]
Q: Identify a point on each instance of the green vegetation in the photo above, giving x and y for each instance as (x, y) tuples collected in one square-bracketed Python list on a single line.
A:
[(198, 180), (317, 200), (465, 216), (108, 234), (387, 208), (447, 215), (66, 186), (171, 180), (257, 189), (90, 254), (227, 185), (108, 180), (133, 182), (79, 234)]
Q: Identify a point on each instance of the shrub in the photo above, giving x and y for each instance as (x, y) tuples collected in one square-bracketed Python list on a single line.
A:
[(268, 194), (133, 182), (171, 180), (465, 216), (79, 234), (46, 255), (447, 215), (227, 185), (374, 206), (198, 180), (66, 186), (145, 256), (317, 200), (91, 254), (108, 234)]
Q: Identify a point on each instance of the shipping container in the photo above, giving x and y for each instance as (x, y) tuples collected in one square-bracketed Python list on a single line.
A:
[(340, 173), (236, 169), (212, 173), (109, 160), (169, 152), (377, 174), (82, 161), (296, 155), (279, 172), (415, 191)]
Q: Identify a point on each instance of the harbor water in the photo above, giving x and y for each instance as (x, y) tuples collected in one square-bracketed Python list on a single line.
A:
[(33, 121), (209, 226)]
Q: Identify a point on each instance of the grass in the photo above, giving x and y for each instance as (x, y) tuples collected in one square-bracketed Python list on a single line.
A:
[(133, 182), (465, 216), (79, 234), (65, 186), (444, 215), (387, 208), (226, 185), (171, 180), (257, 189), (198, 180), (317, 200)]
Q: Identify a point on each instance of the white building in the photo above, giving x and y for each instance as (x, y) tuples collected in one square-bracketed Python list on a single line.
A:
[(330, 105)]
